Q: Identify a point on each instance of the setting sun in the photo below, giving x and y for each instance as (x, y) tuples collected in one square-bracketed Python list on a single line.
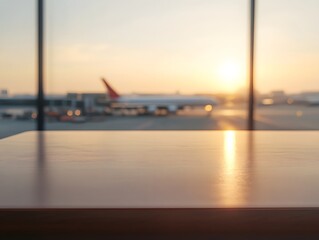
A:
[(229, 73)]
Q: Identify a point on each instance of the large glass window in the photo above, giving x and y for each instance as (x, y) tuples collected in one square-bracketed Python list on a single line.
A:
[(173, 64), (287, 73), (169, 64), (17, 66)]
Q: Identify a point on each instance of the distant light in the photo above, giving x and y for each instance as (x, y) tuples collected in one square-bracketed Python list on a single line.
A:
[(290, 101), (77, 112), (141, 111), (299, 113), (69, 113), (34, 115), (268, 101), (208, 108)]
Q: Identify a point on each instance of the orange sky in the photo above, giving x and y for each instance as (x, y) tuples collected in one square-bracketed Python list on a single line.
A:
[(160, 46)]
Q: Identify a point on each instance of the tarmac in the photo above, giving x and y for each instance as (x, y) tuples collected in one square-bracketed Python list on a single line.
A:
[(280, 117)]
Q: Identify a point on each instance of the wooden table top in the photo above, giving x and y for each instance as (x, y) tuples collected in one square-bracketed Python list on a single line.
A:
[(160, 169)]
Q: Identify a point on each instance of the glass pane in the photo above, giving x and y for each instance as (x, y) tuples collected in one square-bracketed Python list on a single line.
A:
[(287, 64), (173, 64), (17, 66)]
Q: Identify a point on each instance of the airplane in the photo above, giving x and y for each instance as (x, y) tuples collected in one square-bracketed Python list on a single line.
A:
[(156, 105)]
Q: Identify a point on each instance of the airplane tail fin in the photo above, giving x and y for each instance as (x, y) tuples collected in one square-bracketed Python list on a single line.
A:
[(112, 93)]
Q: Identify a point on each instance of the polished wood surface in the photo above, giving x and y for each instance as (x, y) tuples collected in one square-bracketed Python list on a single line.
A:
[(152, 169), (160, 185)]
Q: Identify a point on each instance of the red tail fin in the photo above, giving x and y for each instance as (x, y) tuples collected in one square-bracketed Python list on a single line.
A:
[(112, 93)]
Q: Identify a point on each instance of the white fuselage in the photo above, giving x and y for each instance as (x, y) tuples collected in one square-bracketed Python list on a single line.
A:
[(172, 103)]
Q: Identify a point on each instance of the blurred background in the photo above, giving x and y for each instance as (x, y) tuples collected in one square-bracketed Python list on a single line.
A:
[(169, 65)]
